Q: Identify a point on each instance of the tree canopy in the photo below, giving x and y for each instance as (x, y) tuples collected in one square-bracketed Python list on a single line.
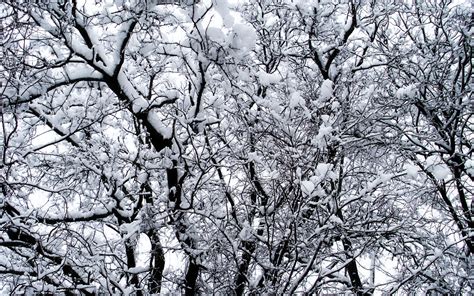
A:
[(236, 147)]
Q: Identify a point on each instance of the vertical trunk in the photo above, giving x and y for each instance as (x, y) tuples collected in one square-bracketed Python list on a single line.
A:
[(241, 279), (352, 270), (471, 270), (373, 263), (130, 252), (188, 244), (249, 247), (468, 211), (157, 263), (175, 191), (471, 252), (191, 277), (351, 267)]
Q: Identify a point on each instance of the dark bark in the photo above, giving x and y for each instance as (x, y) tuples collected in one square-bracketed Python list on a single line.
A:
[(241, 279), (352, 269), (157, 263), (191, 278), (130, 252), (30, 241)]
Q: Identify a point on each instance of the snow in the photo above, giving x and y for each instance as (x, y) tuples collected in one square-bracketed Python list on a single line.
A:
[(324, 170), (220, 213), (244, 37), (408, 91), (333, 71), (440, 172), (222, 8), (130, 229), (296, 100), (246, 234), (138, 269), (142, 177), (158, 125), (216, 34), (253, 156), (258, 274), (243, 76), (131, 92), (147, 49), (435, 165), (103, 157), (307, 187), (94, 182), (325, 118), (469, 165), (324, 130), (269, 210), (371, 186), (326, 90), (411, 170), (336, 220), (80, 72), (139, 105), (270, 20), (267, 79)]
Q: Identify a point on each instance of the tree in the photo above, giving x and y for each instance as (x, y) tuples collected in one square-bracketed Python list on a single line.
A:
[(259, 147), (430, 86)]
